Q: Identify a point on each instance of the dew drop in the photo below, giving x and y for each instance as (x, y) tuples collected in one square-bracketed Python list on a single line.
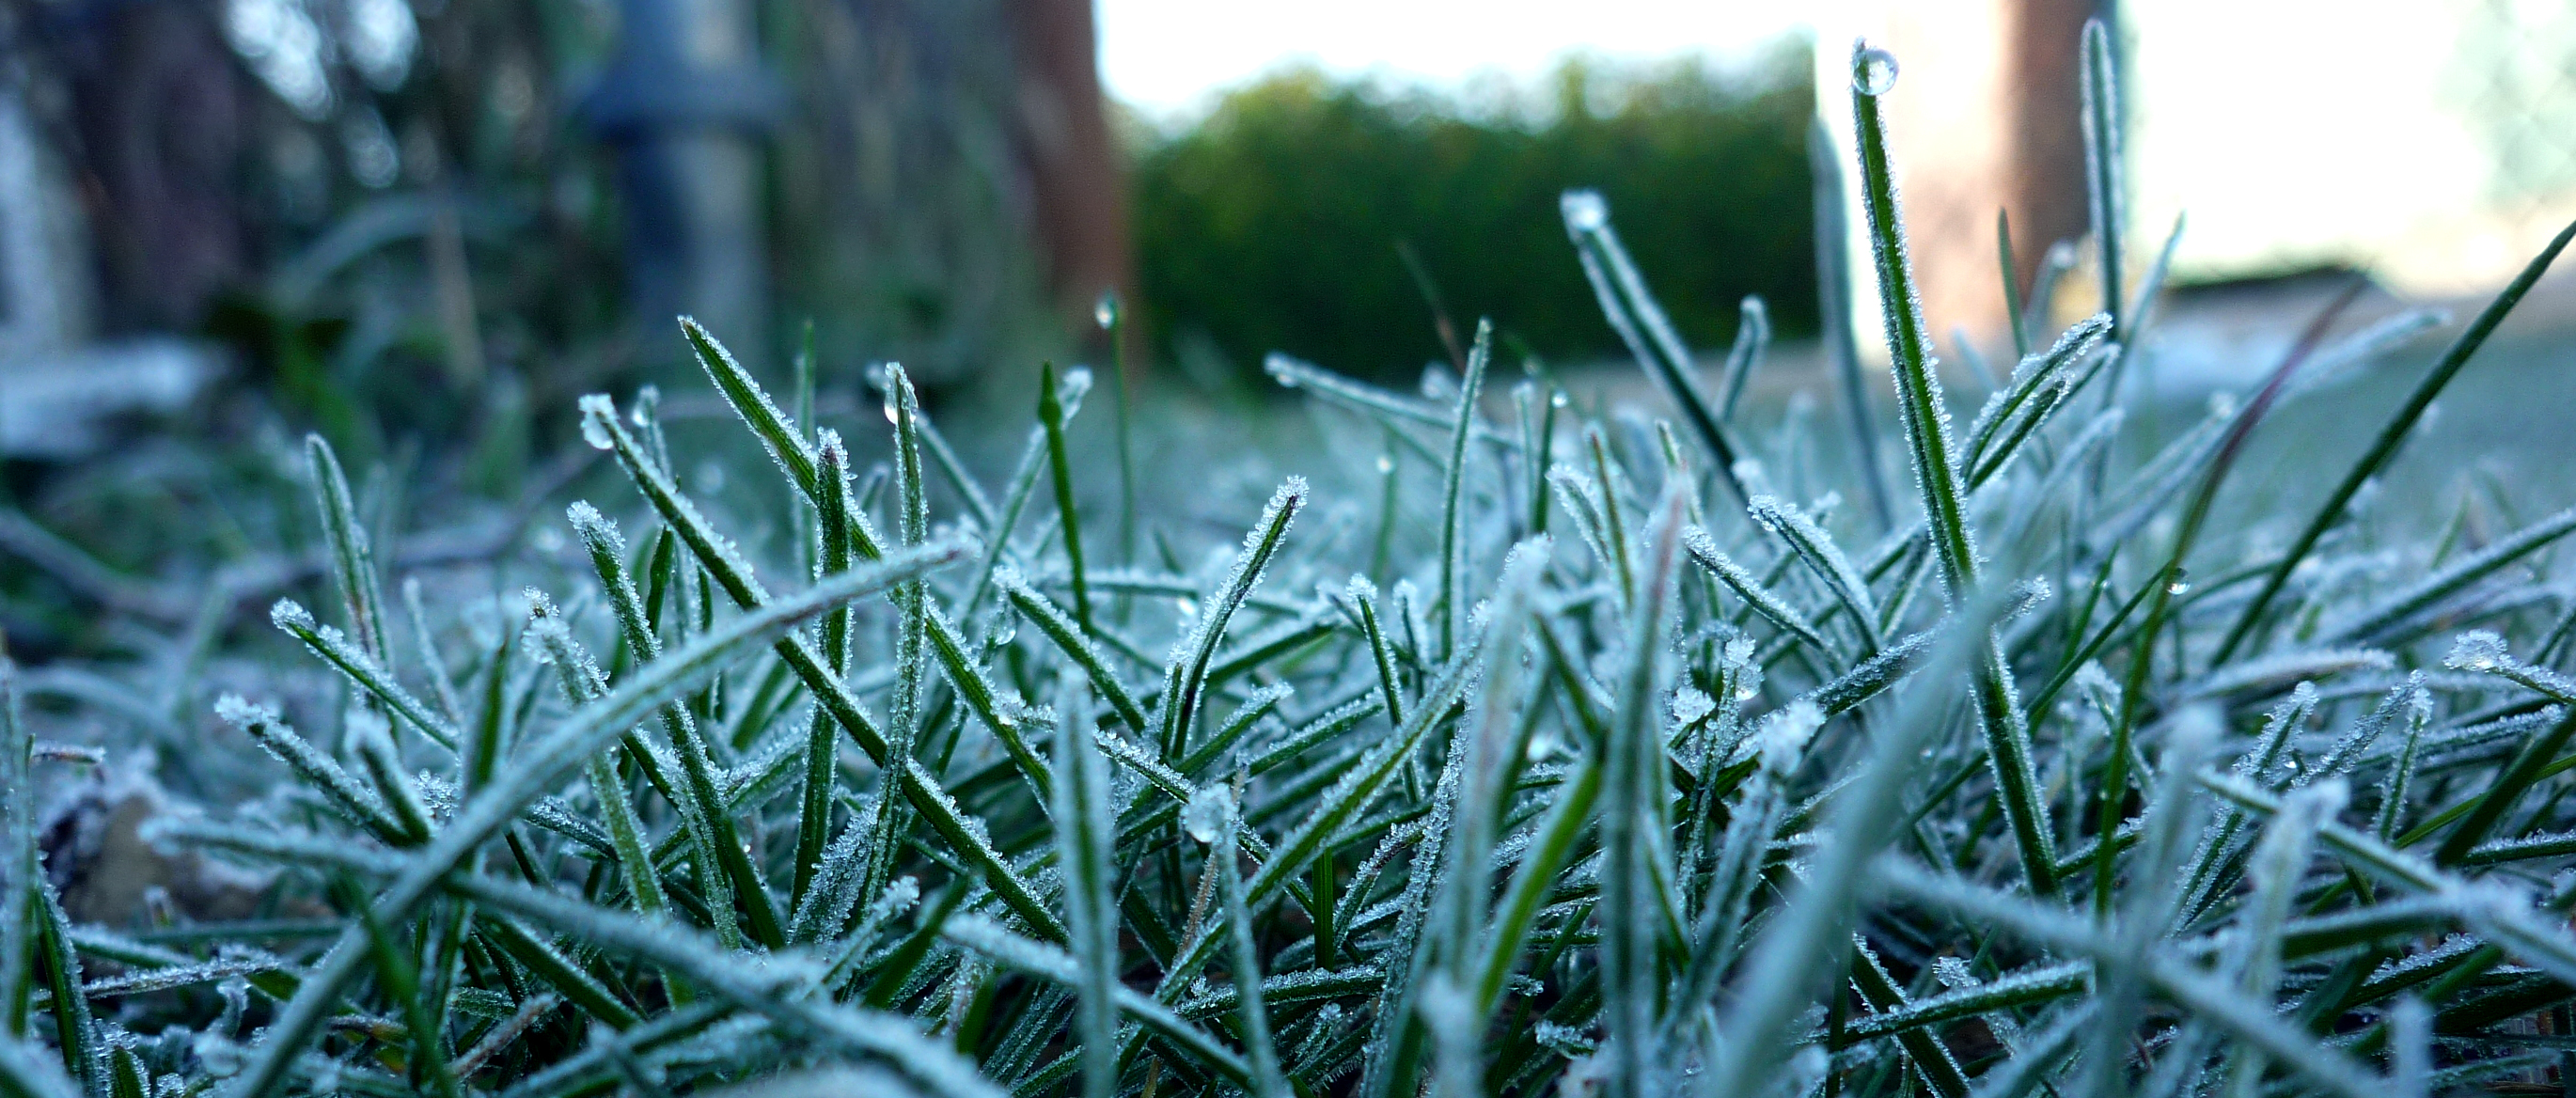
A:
[(1189, 607), (1873, 72), (1385, 464), (2177, 587), (1105, 311), (1557, 399), (1584, 211)]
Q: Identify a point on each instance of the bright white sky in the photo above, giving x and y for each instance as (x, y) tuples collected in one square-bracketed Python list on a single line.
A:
[(1165, 56)]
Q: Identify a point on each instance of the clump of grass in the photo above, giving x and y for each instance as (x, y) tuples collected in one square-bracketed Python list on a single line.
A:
[(1647, 780)]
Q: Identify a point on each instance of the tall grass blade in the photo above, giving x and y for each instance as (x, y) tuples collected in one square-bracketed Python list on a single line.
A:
[(1082, 810), (1453, 487), (1052, 417), (1642, 326), (1927, 432), (1186, 673), (353, 561), (1809, 935)]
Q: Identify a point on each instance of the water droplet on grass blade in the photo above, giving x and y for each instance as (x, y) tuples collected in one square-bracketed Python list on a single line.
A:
[(1873, 71), (1105, 311)]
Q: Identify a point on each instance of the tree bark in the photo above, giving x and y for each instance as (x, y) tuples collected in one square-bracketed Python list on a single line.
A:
[(158, 114), (1079, 200)]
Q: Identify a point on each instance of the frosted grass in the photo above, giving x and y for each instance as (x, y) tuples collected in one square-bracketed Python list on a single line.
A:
[(1553, 775)]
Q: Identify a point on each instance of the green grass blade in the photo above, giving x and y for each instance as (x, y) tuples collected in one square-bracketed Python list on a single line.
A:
[(2012, 283), (1752, 341), (1453, 487), (2412, 599), (1642, 326), (1816, 549), (2105, 191), (1634, 827), (1806, 939), (1927, 433), (1186, 674), (76, 1028), (1082, 808), (353, 561), (362, 669), (19, 869), (786, 445), (1069, 637), (1051, 418)]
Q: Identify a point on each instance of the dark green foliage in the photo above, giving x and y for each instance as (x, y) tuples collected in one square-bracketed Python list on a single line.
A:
[(1274, 224)]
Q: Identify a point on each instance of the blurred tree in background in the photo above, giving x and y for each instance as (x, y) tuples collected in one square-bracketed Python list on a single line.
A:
[(1283, 220)]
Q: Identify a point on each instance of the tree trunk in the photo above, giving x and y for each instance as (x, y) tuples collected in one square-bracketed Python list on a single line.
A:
[(1079, 202)]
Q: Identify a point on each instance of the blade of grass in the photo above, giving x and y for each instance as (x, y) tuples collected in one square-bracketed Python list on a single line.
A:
[(1807, 938), (1642, 326), (1187, 671), (1051, 418), (353, 562), (1633, 825), (1752, 340), (1083, 849), (1453, 486), (1927, 431)]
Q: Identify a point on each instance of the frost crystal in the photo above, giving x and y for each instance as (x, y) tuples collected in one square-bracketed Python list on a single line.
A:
[(1690, 705), (1785, 733), (2478, 650), (1210, 811), (291, 615), (1585, 211), (240, 712), (598, 415)]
